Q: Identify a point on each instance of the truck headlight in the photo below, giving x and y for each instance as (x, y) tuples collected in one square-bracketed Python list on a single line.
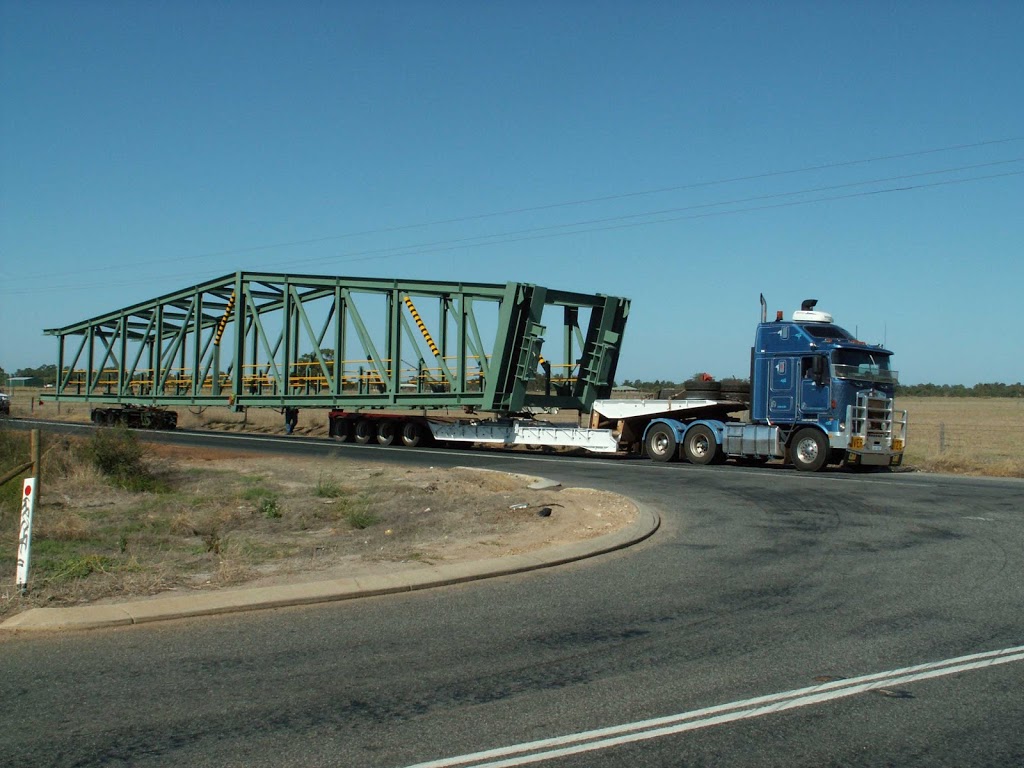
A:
[(897, 445), (857, 442)]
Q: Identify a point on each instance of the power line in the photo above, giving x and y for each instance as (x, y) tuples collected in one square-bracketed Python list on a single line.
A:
[(610, 225), (711, 214), (544, 207), (498, 238)]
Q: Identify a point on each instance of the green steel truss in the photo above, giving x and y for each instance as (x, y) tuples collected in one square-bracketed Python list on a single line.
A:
[(259, 339)]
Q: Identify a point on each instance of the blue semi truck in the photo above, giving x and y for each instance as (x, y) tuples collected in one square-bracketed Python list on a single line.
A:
[(817, 396)]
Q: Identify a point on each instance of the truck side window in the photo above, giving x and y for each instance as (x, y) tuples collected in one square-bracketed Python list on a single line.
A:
[(780, 376), (807, 367)]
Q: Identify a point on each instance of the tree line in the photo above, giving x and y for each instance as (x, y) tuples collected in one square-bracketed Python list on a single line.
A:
[(994, 389), (47, 374)]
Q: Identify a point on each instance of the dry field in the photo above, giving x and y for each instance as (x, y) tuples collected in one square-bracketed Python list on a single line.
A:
[(969, 435), (976, 436)]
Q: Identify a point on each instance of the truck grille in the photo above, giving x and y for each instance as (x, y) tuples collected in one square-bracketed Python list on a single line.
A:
[(875, 420)]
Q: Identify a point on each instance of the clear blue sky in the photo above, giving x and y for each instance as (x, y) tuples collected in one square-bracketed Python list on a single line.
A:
[(145, 147)]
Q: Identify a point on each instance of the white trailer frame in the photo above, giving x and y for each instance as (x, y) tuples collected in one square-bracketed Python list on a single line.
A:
[(624, 413)]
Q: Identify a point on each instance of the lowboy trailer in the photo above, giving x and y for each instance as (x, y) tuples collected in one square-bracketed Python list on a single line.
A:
[(817, 397)]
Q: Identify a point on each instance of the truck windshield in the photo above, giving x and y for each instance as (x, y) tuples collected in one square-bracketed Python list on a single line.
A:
[(862, 364)]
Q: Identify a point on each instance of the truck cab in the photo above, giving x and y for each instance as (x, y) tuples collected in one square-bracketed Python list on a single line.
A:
[(829, 395)]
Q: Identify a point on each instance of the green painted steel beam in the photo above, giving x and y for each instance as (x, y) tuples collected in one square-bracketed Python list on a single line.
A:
[(275, 340)]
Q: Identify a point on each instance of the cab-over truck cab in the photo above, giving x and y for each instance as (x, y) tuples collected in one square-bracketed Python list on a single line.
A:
[(818, 396), (828, 395)]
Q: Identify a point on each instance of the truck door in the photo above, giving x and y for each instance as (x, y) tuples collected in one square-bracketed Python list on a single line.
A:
[(782, 390), (814, 390)]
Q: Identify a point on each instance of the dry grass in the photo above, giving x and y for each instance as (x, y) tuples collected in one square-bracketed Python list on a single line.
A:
[(970, 435), (215, 518), (977, 436)]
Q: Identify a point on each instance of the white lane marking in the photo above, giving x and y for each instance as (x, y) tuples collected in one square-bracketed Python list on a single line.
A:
[(612, 736)]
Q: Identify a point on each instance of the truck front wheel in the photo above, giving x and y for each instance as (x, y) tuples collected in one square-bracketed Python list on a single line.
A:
[(809, 450), (700, 446), (661, 443)]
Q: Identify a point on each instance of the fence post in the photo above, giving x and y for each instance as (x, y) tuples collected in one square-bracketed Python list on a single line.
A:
[(35, 448), (942, 437)]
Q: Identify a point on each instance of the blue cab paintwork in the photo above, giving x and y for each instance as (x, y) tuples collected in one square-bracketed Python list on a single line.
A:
[(787, 391)]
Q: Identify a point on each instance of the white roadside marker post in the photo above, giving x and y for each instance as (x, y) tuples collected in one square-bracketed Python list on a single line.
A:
[(28, 505)]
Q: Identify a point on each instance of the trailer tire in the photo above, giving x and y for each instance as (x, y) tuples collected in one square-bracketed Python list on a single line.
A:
[(661, 443), (701, 447), (412, 434), (387, 432), (341, 430), (809, 450), (363, 431)]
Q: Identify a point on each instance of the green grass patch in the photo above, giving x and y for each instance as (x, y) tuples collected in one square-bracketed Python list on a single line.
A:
[(360, 517), (256, 493), (269, 507), (119, 457), (328, 488), (81, 567)]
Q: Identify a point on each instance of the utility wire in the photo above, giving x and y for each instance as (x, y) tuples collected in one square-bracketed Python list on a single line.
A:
[(708, 215), (608, 225), (499, 237), (537, 208)]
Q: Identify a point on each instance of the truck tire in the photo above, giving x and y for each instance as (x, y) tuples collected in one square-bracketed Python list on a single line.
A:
[(705, 390), (364, 431), (809, 450), (412, 434), (739, 392), (700, 446), (387, 432), (661, 443)]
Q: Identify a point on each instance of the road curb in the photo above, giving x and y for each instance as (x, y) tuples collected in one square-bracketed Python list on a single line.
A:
[(261, 598)]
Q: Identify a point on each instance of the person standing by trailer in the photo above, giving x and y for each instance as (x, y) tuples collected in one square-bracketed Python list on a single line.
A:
[(291, 418)]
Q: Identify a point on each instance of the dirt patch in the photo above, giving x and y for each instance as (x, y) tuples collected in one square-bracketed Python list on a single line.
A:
[(224, 518)]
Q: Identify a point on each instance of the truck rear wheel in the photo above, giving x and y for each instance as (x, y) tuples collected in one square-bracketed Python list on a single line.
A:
[(363, 431), (809, 450), (700, 446), (661, 443)]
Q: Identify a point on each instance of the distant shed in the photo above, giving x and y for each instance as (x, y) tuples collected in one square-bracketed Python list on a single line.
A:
[(24, 381)]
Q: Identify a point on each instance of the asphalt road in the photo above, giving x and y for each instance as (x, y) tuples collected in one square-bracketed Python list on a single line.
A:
[(776, 619)]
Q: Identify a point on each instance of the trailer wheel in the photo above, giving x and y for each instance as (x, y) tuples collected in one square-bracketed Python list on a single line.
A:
[(412, 434), (809, 450), (387, 431), (661, 443), (341, 430), (700, 446), (364, 431)]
